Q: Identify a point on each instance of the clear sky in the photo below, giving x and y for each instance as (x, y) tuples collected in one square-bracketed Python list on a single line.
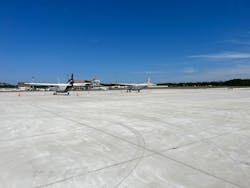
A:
[(124, 40)]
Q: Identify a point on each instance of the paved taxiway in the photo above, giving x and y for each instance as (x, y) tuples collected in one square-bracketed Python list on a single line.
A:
[(158, 138)]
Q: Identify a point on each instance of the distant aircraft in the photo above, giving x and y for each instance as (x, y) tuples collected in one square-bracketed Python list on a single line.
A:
[(60, 87), (137, 86)]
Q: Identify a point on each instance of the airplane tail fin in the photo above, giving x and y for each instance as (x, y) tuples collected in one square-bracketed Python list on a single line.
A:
[(71, 80), (149, 81)]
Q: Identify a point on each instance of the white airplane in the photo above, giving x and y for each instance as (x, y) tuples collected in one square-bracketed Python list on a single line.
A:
[(60, 87), (137, 86)]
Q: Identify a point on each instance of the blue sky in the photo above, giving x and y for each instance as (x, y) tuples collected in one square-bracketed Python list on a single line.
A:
[(124, 40)]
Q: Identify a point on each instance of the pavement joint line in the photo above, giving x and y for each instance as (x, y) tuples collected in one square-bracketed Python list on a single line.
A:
[(150, 150), (34, 136), (225, 154), (197, 141), (28, 137), (140, 138), (93, 171)]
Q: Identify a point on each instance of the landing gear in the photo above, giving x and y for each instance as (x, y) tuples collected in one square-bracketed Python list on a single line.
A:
[(55, 93)]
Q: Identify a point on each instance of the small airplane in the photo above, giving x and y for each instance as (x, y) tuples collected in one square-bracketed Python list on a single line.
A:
[(63, 88), (137, 86)]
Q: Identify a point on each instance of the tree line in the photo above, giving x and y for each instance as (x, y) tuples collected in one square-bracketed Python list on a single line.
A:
[(6, 85), (234, 82)]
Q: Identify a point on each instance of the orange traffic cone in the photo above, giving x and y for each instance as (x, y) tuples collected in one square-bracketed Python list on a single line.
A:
[(77, 94), (19, 94)]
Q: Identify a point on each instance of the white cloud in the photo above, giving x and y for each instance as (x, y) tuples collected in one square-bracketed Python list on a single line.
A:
[(240, 71), (233, 41), (189, 71), (229, 55)]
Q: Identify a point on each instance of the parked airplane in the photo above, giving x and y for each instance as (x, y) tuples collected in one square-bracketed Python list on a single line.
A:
[(137, 86), (60, 87)]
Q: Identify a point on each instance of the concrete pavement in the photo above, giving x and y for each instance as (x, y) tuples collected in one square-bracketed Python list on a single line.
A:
[(158, 138)]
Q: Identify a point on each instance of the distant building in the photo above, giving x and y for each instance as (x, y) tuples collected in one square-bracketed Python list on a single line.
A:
[(82, 84), (23, 86)]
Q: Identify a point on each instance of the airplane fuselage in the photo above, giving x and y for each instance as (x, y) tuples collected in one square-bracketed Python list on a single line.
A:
[(136, 87), (59, 87)]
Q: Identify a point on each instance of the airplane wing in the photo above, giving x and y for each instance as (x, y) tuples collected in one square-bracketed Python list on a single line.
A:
[(81, 84), (46, 84), (134, 84), (56, 85), (126, 84), (148, 83)]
